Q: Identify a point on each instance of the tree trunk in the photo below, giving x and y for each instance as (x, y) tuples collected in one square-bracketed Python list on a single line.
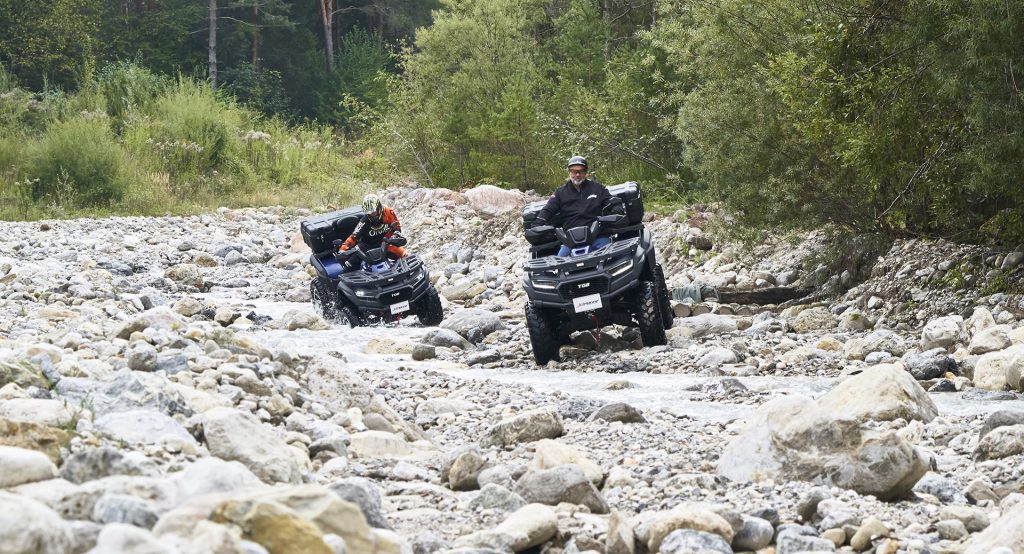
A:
[(327, 16), (212, 59), (771, 295), (256, 35)]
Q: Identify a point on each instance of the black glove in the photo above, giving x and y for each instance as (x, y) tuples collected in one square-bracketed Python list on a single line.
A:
[(396, 239)]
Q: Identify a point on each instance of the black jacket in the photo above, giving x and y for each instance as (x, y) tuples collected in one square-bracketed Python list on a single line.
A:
[(578, 208)]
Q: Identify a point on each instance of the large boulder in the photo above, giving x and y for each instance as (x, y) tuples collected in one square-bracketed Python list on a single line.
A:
[(144, 427), (528, 527), (565, 483), (996, 370), (235, 435), (526, 427), (490, 201), (880, 393), (990, 339), (19, 466), (929, 364), (878, 341), (942, 332), (332, 382), (703, 325), (813, 319), (797, 439), (474, 324), (21, 372), (161, 317), (1001, 442), (29, 527), (695, 516)]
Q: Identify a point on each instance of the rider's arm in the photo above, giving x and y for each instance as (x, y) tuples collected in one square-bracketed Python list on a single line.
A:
[(549, 210), (353, 239)]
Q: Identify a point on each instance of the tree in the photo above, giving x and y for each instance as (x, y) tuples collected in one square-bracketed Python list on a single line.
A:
[(50, 42)]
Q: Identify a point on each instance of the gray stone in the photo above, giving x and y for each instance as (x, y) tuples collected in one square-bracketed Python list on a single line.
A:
[(236, 435), (144, 427), (213, 475), (422, 352), (483, 357), (1001, 418), (807, 508), (526, 427), (940, 487), (1001, 442), (363, 493), (930, 364), (496, 497), (121, 538), (703, 325), (618, 411), (446, 338), (975, 519), (880, 393), (30, 527), (717, 356), (19, 466), (754, 534), (142, 357), (791, 542), (942, 332), (579, 408), (687, 541), (123, 508), (474, 324), (123, 391), (566, 483), (951, 530), (104, 461)]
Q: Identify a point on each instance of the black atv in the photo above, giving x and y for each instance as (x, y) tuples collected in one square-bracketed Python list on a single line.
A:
[(620, 283), (380, 290)]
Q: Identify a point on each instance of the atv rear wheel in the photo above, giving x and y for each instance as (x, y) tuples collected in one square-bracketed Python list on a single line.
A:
[(667, 316), (542, 335), (648, 315), (324, 297), (429, 311)]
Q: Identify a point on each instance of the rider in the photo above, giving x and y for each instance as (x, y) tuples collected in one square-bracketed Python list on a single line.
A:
[(377, 223), (580, 201)]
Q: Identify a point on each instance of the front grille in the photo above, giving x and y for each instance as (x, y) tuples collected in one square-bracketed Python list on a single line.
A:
[(598, 285), (395, 296)]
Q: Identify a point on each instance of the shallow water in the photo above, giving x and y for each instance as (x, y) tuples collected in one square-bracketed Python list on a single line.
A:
[(666, 392)]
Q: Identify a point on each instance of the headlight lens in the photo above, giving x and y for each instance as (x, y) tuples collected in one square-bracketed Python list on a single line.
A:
[(543, 284), (621, 267), (362, 293)]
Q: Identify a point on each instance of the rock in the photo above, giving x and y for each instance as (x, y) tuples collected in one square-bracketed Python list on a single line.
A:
[(565, 483), (213, 475), (795, 438), (620, 538), (298, 319), (388, 345), (34, 436), (465, 468), (273, 526), (19, 466), (483, 357), (496, 497), (188, 275), (951, 530), (579, 408), (377, 422), (490, 201), (686, 541), (813, 319), (942, 332), (703, 325), (97, 463), (878, 341), (995, 370), (235, 435), (1001, 418), (807, 508), (551, 454), (54, 413), (1007, 531), (854, 320), (432, 408), (363, 493), (123, 508), (930, 364), (693, 516), (336, 385), (526, 427), (122, 538), (142, 357), (754, 534), (618, 411), (446, 338), (22, 373), (143, 427), (188, 306), (422, 352), (881, 393), (1001, 442), (29, 527), (943, 488), (498, 475), (161, 317), (717, 356), (869, 529), (991, 339), (790, 541), (530, 526), (474, 324), (378, 445), (974, 519)]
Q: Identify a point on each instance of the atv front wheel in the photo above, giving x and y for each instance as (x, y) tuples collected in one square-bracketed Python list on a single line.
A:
[(430, 312), (542, 335), (351, 316), (648, 315), (324, 297), (663, 297)]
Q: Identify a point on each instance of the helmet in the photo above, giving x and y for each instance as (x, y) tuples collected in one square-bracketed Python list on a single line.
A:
[(372, 207), (576, 160)]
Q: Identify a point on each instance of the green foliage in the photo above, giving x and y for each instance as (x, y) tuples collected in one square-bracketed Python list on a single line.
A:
[(128, 87), (260, 89), (78, 163), (49, 41)]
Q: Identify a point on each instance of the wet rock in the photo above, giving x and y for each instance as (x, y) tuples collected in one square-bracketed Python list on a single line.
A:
[(446, 338), (1001, 442), (793, 438), (685, 541), (526, 427), (565, 483), (881, 393), (930, 364), (473, 324), (19, 466), (618, 411), (235, 435), (29, 527)]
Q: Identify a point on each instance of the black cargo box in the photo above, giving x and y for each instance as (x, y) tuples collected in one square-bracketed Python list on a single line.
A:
[(530, 212), (630, 194), (319, 232)]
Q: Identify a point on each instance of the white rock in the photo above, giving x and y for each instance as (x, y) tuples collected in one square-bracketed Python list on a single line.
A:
[(942, 332), (19, 466), (29, 527), (236, 435), (990, 339)]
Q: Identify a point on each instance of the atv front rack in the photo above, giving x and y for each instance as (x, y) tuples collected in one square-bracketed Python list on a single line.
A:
[(568, 265)]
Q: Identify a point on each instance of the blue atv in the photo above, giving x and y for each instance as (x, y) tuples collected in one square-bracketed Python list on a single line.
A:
[(380, 289)]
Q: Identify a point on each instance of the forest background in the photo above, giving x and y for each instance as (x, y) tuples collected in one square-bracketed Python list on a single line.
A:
[(890, 117)]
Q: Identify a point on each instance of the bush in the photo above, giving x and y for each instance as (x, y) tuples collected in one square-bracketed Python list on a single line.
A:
[(127, 86), (79, 163)]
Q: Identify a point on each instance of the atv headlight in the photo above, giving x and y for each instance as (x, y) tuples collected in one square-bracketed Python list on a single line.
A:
[(621, 267), (543, 284), (362, 293)]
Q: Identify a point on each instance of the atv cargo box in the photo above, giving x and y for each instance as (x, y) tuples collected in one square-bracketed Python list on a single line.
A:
[(633, 200), (319, 232)]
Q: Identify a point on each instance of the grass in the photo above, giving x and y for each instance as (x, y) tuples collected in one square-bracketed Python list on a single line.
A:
[(130, 142)]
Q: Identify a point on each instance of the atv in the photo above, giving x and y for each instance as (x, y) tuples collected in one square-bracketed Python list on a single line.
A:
[(381, 289), (620, 283)]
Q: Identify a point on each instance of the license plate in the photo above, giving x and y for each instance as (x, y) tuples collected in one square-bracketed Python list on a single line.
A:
[(587, 303), (400, 307)]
